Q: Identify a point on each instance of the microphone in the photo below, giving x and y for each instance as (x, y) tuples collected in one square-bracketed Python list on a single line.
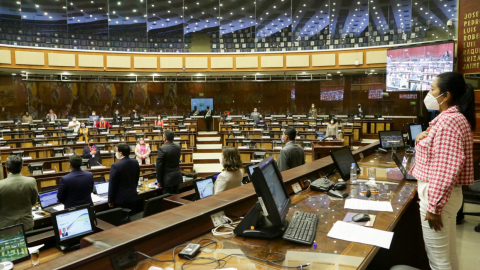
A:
[(99, 163)]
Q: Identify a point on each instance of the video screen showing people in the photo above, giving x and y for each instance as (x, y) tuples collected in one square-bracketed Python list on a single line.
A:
[(414, 69), (205, 188), (330, 95), (73, 223), (12, 244), (390, 139), (375, 94), (408, 96)]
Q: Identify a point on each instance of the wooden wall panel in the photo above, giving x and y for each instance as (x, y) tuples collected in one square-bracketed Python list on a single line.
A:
[(272, 61), (61, 59), (376, 57), (323, 60), (298, 60), (221, 62), (171, 62), (346, 59), (5, 57), (30, 58), (196, 62), (119, 61), (145, 62), (90, 60), (247, 62)]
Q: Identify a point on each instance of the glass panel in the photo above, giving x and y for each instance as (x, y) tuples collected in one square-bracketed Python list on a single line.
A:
[(165, 25), (430, 19), (273, 25), (10, 21), (128, 25), (87, 24), (376, 15), (200, 25), (237, 27)]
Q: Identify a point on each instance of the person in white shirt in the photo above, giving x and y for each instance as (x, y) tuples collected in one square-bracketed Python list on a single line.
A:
[(232, 174), (93, 118), (74, 124), (51, 116)]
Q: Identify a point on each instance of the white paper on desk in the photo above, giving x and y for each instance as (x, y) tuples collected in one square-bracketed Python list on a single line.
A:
[(96, 198), (36, 216), (59, 208), (257, 129), (242, 147), (5, 147), (354, 233), (35, 248), (40, 128), (24, 158), (265, 137), (357, 204)]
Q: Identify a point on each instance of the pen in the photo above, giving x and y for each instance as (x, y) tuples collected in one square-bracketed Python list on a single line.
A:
[(372, 191)]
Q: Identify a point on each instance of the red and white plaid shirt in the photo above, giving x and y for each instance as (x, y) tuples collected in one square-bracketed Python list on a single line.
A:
[(444, 158)]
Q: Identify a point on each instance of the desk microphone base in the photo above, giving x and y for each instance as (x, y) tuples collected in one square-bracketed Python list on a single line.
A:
[(256, 225)]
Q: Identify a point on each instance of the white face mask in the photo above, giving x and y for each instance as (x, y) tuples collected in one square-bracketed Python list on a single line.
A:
[(74, 120), (313, 106), (93, 113), (431, 102), (117, 155), (102, 119), (332, 121)]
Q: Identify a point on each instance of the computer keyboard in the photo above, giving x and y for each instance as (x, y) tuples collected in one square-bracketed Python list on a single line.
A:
[(302, 228)]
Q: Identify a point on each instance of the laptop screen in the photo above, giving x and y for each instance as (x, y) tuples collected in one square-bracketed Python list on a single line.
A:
[(48, 198), (99, 179), (102, 188), (73, 223), (414, 131), (205, 187), (13, 244), (391, 138), (399, 164)]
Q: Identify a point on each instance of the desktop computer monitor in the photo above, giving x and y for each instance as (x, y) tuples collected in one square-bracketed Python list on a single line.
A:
[(273, 201), (139, 135), (3, 143), (376, 116), (35, 168), (58, 151), (413, 131), (109, 137), (71, 139), (32, 126), (71, 225), (13, 244), (388, 137), (181, 126), (259, 155), (127, 129), (204, 187), (157, 128), (17, 153), (343, 159), (100, 147), (101, 130), (38, 141), (85, 164)]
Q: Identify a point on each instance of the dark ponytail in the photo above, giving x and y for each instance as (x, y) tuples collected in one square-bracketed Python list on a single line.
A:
[(462, 94)]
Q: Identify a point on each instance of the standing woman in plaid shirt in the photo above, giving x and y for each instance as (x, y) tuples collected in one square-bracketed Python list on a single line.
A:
[(443, 163)]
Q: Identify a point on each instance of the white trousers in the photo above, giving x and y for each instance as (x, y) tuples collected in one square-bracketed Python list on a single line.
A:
[(441, 246)]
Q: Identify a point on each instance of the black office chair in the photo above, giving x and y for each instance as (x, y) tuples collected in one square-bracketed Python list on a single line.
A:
[(471, 194), (152, 206), (116, 216)]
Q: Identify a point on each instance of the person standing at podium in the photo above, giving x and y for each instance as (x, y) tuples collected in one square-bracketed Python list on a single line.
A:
[(74, 124), (313, 111), (359, 112), (92, 153), (208, 118), (292, 154), (443, 164)]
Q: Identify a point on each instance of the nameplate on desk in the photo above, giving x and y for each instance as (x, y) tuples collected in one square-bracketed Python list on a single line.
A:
[(80, 142), (235, 129), (75, 134), (348, 124), (68, 154), (381, 118), (104, 132), (165, 124), (188, 118), (357, 118), (308, 148), (242, 147), (289, 117), (1, 138), (329, 139), (132, 131), (255, 160), (301, 123), (89, 126), (186, 124), (5, 130), (51, 122), (137, 125), (40, 128), (240, 137), (115, 126), (24, 158), (50, 171), (183, 130), (25, 123), (265, 137), (277, 147), (177, 138), (63, 127), (47, 144), (114, 140), (146, 139), (97, 167), (275, 123), (104, 151), (5, 147), (157, 130), (40, 136), (257, 129), (311, 129), (231, 123)]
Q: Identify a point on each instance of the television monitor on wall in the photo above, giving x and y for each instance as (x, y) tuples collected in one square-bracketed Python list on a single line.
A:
[(331, 95), (201, 103), (415, 68), (375, 94), (408, 96)]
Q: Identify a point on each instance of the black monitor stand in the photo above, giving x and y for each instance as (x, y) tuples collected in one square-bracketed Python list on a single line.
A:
[(69, 246), (256, 225)]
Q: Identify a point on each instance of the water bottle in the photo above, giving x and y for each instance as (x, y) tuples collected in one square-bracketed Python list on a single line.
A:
[(353, 173)]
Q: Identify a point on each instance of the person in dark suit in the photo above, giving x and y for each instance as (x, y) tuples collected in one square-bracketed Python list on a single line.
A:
[(168, 165), (135, 115), (124, 174), (117, 118), (359, 112), (195, 111), (292, 154), (75, 188), (208, 118), (90, 151)]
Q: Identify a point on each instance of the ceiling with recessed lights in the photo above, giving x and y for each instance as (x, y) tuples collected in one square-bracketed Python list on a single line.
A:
[(263, 18)]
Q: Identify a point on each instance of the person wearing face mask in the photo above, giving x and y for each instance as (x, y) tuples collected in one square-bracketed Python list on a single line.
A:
[(51, 116), (93, 118), (74, 124), (208, 118), (359, 112), (313, 111), (27, 118), (332, 128), (292, 154), (158, 122), (443, 164), (232, 174), (124, 174), (117, 118), (75, 188), (260, 120), (83, 132), (142, 152), (168, 165), (134, 115), (90, 151), (195, 111), (254, 115), (103, 123)]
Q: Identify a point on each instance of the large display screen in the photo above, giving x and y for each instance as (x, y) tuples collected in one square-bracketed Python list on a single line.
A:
[(375, 94), (408, 96), (329, 95), (201, 103), (415, 68)]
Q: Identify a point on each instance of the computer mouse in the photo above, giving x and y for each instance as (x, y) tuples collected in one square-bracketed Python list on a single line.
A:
[(340, 186), (361, 217)]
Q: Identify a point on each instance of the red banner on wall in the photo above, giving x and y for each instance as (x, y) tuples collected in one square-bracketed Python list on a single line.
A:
[(468, 36)]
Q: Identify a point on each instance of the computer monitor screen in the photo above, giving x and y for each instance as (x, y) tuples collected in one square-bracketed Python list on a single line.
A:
[(275, 185), (343, 159), (413, 132), (391, 138), (48, 198), (73, 223), (204, 187), (99, 179), (101, 188), (13, 245), (250, 169)]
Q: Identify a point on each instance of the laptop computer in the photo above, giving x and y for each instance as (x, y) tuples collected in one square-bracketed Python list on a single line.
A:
[(49, 201), (102, 190), (387, 139), (402, 168)]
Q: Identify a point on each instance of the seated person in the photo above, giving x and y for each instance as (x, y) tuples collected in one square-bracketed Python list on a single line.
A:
[(142, 152), (158, 122), (260, 120), (76, 187), (83, 133), (27, 118), (117, 118), (103, 124), (74, 124), (90, 152), (332, 128), (232, 174)]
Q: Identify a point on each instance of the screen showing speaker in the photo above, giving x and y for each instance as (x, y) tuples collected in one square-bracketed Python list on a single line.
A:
[(201, 103)]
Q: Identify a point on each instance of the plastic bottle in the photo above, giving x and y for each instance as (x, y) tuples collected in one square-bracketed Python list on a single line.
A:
[(353, 173)]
